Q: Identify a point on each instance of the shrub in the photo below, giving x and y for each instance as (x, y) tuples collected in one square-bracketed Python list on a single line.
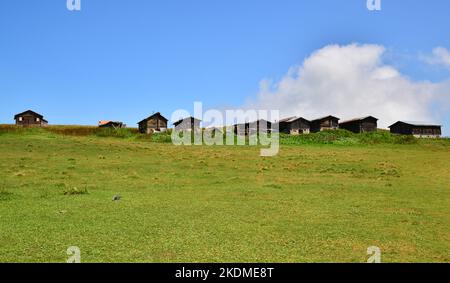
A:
[(161, 137), (144, 137), (325, 137), (399, 139), (4, 129), (92, 131), (72, 130), (115, 133), (75, 191), (165, 137), (4, 194), (343, 137), (13, 129)]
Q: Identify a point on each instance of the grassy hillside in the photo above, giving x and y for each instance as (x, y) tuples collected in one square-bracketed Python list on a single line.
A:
[(333, 137), (325, 197)]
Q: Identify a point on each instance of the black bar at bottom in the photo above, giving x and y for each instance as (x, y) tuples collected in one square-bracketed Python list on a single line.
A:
[(224, 272)]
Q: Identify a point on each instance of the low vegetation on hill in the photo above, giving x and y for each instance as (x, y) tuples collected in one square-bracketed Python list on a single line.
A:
[(84, 131), (343, 137), (336, 137)]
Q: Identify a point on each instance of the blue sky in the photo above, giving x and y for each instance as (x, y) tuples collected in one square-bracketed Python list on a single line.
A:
[(123, 60)]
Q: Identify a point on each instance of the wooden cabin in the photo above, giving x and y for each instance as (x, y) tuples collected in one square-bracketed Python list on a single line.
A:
[(189, 123), (324, 123), (154, 123), (360, 125), (30, 119), (417, 129), (294, 126), (253, 127), (111, 124)]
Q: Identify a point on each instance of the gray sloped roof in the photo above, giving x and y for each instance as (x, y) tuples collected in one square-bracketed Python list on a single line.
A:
[(289, 119), (186, 119), (418, 123), (292, 119), (357, 119), (325, 117), (153, 115)]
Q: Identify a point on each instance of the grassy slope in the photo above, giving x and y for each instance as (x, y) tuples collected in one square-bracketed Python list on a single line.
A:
[(310, 203)]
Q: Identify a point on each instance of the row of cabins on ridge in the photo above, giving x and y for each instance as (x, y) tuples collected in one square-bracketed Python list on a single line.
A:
[(292, 125), (300, 125), (158, 123)]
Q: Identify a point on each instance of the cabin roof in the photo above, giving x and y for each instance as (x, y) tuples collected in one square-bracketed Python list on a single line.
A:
[(417, 123), (106, 122), (152, 116), (288, 120), (358, 119), (29, 112), (326, 117), (292, 119), (103, 122), (186, 119)]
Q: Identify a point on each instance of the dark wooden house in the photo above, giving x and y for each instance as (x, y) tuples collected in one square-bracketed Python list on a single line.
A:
[(360, 125), (253, 127), (294, 126), (324, 123), (154, 123), (189, 123), (417, 129), (30, 119), (111, 124)]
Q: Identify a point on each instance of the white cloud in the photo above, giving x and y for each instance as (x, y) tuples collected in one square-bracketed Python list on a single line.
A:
[(440, 56), (350, 81)]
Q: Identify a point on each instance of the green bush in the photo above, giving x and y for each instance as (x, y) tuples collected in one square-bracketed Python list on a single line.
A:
[(344, 137), (325, 137), (381, 136), (72, 130), (161, 137), (4, 194), (400, 139), (116, 133), (165, 137), (75, 191), (13, 129), (92, 131)]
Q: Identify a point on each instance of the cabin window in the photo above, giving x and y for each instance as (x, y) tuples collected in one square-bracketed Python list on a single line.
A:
[(20, 119), (38, 120)]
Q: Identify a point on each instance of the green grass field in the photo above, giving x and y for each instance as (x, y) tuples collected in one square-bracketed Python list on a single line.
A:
[(314, 202)]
